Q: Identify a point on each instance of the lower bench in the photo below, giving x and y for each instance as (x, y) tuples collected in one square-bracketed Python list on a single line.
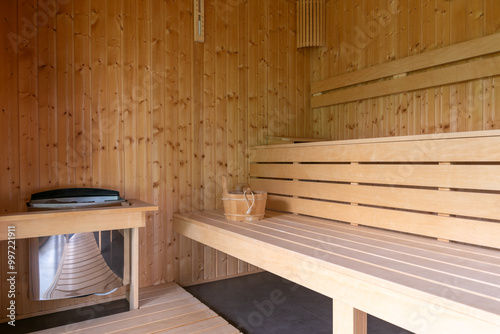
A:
[(164, 308), (420, 284)]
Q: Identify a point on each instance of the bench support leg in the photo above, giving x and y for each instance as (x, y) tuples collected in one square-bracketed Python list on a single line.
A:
[(347, 319)]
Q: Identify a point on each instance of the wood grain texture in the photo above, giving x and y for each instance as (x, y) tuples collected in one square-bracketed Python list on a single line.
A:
[(385, 34), (165, 308), (319, 179), (117, 95)]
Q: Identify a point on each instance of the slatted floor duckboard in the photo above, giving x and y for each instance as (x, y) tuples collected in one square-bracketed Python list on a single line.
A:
[(166, 308)]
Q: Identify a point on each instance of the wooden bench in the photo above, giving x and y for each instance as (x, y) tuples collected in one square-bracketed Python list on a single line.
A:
[(406, 228)]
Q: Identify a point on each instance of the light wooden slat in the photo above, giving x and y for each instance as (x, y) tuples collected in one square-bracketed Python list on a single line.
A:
[(180, 300), (209, 130), (456, 147), (445, 176), (98, 77), (466, 204), (65, 98), (480, 259), (338, 248), (272, 253), (428, 225), (217, 325), (159, 138), (151, 322), (42, 223), (226, 329), (479, 277), (460, 51), (171, 323), (82, 82), (448, 75), (164, 308)]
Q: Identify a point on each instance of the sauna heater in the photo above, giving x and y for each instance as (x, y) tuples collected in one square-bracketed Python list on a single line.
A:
[(79, 264)]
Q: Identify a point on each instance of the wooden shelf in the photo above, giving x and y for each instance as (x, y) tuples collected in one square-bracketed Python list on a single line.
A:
[(44, 223)]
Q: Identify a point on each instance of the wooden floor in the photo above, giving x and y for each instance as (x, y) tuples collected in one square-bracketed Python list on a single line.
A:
[(165, 308)]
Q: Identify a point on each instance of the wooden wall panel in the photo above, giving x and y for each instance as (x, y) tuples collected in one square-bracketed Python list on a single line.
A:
[(375, 32), (116, 94)]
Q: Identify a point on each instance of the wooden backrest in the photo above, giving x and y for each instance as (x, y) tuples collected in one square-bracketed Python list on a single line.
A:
[(445, 186), (470, 60)]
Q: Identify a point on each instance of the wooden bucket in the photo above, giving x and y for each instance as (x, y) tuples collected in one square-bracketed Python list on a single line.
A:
[(243, 204)]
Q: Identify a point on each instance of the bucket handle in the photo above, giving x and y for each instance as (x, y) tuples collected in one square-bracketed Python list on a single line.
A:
[(250, 207)]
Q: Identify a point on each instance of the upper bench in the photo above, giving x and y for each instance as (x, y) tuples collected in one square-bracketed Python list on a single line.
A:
[(404, 228)]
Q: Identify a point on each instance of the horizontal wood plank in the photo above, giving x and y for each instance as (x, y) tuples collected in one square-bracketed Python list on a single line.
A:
[(472, 204), (486, 177), (45, 223), (480, 146), (449, 75), (448, 228), (460, 51)]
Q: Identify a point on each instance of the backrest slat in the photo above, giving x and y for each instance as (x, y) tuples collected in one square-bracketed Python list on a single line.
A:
[(442, 186), (431, 148)]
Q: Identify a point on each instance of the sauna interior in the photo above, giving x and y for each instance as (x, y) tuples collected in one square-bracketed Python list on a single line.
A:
[(118, 95)]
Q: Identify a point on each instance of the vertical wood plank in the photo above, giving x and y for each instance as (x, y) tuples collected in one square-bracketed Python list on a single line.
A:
[(253, 80), (99, 91), (293, 120), (28, 137), (65, 97), (9, 126), (442, 103), (458, 91), (491, 91), (159, 167), (171, 109), (82, 90), (144, 134), (47, 84), (221, 116), (113, 113), (427, 121), (474, 28), (263, 71), (232, 94), (272, 59)]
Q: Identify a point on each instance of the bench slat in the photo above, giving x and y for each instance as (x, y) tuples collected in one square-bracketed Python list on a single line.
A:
[(486, 177), (481, 146), (465, 230), (484, 205), (480, 258), (396, 257)]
